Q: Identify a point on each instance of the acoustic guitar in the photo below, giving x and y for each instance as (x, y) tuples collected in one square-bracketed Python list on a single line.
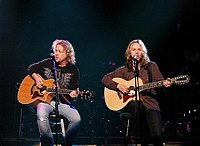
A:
[(115, 100), (28, 93)]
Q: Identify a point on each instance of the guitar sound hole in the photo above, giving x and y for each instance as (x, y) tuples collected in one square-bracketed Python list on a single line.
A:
[(131, 91), (43, 88), (131, 88)]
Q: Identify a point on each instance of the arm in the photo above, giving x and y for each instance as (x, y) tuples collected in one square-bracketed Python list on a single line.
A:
[(108, 82), (157, 75), (36, 71), (75, 83)]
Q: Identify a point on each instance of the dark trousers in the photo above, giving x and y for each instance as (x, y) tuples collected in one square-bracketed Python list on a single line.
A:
[(146, 125)]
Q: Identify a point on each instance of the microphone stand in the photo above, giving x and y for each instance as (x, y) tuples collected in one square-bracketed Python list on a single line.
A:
[(137, 96), (57, 95)]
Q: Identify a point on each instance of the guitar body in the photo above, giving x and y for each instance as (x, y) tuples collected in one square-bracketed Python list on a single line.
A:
[(28, 93), (116, 100)]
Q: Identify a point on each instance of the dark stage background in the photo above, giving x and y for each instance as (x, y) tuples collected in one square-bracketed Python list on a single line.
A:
[(100, 31)]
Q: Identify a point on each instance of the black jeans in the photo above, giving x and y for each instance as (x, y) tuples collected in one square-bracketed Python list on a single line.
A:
[(146, 125), (155, 126)]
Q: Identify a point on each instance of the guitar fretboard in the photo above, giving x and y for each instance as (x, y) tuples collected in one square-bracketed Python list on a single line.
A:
[(60, 91), (151, 85)]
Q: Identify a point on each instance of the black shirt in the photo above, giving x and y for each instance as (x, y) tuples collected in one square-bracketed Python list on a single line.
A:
[(68, 76)]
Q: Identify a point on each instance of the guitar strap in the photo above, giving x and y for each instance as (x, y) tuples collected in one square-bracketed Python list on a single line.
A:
[(149, 72), (66, 99)]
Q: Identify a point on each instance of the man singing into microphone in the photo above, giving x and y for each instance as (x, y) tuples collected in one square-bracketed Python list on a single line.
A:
[(146, 111), (62, 63)]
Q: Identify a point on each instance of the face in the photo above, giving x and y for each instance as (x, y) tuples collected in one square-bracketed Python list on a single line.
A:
[(60, 55), (136, 50)]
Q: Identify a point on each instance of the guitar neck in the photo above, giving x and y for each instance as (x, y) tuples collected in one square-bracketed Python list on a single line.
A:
[(60, 91), (151, 85), (83, 94)]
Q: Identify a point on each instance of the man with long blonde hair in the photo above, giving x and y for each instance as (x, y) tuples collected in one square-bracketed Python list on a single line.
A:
[(144, 107)]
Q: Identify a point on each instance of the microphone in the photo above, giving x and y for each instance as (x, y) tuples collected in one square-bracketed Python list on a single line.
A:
[(52, 54), (135, 58)]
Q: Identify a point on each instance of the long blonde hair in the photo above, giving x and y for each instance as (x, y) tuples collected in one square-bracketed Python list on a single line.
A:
[(69, 49), (128, 58)]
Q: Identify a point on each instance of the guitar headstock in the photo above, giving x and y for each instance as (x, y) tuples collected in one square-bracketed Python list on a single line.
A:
[(180, 80), (86, 94)]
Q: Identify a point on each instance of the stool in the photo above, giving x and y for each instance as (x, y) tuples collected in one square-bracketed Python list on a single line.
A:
[(126, 117), (60, 127)]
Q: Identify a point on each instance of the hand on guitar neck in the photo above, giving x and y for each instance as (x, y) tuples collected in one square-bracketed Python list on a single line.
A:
[(167, 82)]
